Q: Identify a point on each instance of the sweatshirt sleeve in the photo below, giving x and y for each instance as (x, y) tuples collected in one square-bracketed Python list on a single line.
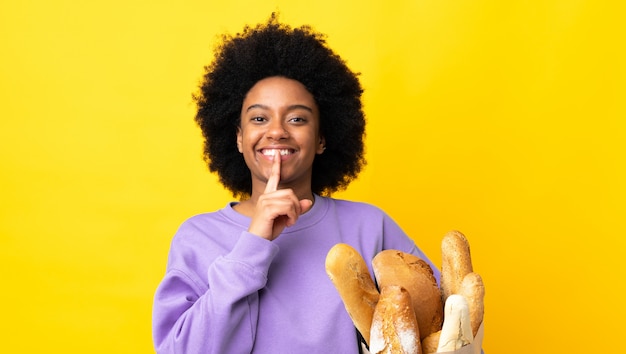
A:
[(211, 306)]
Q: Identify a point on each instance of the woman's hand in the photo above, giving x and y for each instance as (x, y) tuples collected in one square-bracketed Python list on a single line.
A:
[(276, 208)]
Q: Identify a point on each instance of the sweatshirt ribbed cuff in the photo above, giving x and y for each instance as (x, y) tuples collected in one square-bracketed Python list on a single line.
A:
[(255, 251)]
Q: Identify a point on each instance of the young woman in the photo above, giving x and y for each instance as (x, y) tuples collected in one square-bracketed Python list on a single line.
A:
[(283, 126)]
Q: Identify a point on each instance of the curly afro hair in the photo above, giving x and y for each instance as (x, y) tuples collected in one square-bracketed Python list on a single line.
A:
[(301, 54)]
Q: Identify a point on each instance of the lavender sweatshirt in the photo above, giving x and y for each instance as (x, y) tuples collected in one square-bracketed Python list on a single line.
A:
[(228, 291)]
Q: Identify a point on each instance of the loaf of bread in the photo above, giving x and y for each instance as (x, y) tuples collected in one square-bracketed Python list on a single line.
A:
[(407, 316), (347, 270), (393, 267), (431, 343), (456, 262), (473, 290), (394, 326)]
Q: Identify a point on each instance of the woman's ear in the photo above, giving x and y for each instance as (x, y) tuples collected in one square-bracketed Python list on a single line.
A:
[(239, 139), (321, 146)]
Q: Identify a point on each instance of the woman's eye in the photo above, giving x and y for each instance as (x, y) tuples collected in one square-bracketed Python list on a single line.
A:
[(297, 120), (257, 119)]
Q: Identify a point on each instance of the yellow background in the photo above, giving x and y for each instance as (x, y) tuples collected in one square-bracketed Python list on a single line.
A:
[(503, 119)]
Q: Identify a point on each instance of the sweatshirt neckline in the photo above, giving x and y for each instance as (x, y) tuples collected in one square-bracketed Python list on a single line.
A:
[(311, 217)]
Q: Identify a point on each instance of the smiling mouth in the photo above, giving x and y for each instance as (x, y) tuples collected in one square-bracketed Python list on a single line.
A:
[(272, 152)]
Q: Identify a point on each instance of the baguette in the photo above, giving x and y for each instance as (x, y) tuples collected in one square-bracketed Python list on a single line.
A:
[(473, 290), (394, 326), (393, 267), (456, 262), (347, 270), (431, 343)]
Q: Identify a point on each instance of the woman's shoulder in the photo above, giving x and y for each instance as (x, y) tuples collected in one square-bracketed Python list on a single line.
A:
[(356, 210), (360, 208), (199, 220), (207, 232), (207, 224), (224, 215)]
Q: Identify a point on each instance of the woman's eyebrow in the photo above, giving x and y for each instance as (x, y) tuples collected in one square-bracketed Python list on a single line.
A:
[(300, 106), (289, 108)]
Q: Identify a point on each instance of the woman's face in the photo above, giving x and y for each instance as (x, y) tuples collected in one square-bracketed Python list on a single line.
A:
[(280, 115)]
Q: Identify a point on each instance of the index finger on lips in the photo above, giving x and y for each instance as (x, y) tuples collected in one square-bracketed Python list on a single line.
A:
[(274, 178)]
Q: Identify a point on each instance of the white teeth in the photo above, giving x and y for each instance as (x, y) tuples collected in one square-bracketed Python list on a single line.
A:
[(272, 152)]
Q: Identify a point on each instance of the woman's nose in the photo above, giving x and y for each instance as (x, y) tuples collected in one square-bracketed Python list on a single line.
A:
[(276, 130)]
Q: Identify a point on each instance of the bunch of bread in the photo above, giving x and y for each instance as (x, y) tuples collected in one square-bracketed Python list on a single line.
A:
[(408, 313)]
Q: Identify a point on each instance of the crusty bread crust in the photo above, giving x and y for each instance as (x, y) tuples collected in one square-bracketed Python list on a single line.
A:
[(394, 326), (347, 270), (431, 343), (393, 267), (473, 289), (456, 262)]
